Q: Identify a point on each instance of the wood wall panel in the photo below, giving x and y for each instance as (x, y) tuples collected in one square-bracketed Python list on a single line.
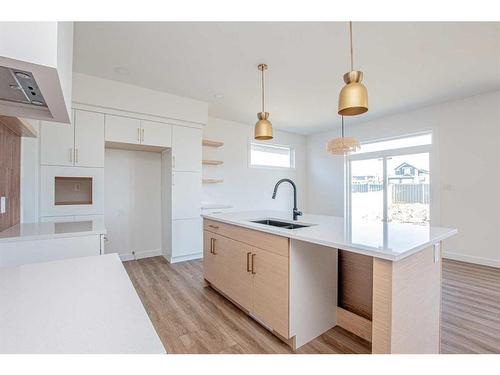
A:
[(355, 283), (10, 176)]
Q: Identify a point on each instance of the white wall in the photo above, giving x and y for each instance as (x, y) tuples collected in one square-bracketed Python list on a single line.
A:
[(465, 170), (116, 95), (247, 188), (132, 209)]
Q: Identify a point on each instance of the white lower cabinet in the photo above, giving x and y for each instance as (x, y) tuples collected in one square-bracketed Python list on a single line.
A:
[(186, 239), (186, 195), (17, 253)]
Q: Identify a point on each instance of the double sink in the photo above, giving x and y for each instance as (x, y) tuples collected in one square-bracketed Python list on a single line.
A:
[(280, 224)]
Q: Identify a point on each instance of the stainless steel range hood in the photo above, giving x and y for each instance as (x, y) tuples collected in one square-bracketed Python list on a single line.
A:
[(34, 57)]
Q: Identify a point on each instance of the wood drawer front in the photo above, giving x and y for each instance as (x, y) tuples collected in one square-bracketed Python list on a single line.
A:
[(270, 242)]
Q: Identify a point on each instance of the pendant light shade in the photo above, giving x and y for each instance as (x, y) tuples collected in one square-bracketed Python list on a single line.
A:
[(343, 145), (353, 98), (263, 127)]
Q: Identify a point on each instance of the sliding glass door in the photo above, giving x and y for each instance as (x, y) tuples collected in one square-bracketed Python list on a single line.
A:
[(391, 184)]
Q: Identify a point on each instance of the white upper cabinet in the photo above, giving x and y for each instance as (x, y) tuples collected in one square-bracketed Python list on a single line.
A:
[(89, 139), (80, 143), (57, 143), (156, 134), (123, 129), (186, 149)]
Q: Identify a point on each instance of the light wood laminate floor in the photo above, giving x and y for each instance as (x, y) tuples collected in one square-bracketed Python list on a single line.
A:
[(191, 317)]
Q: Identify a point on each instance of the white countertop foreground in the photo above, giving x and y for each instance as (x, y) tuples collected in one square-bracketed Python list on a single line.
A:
[(392, 241), (47, 230), (81, 305)]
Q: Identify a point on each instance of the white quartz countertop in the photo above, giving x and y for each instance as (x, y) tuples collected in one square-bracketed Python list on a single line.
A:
[(392, 241), (47, 230), (81, 305)]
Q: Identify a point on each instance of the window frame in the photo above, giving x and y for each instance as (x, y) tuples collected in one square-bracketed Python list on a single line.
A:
[(384, 155), (271, 144)]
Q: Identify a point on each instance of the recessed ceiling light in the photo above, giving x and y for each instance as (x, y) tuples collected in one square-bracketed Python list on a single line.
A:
[(219, 96), (121, 70)]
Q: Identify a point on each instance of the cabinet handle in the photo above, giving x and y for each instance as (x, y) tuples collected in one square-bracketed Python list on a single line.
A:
[(253, 264), (71, 155), (213, 226), (142, 135), (173, 161), (213, 247), (138, 134), (76, 155), (248, 261)]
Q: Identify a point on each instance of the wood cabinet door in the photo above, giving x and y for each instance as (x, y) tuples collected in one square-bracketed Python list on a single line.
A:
[(235, 278), (89, 139), (122, 129), (270, 290), (156, 134), (209, 262)]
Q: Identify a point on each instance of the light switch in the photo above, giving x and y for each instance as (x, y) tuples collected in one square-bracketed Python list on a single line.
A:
[(3, 205)]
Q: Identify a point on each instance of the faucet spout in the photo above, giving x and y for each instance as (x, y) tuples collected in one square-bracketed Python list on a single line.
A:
[(296, 212)]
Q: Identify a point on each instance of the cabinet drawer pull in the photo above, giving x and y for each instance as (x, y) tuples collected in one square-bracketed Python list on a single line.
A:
[(253, 264), (248, 261), (213, 226)]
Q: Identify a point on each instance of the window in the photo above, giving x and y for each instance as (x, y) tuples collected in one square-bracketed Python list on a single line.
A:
[(390, 184), (269, 155)]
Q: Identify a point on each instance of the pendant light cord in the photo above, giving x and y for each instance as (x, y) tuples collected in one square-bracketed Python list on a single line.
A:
[(263, 90), (350, 43)]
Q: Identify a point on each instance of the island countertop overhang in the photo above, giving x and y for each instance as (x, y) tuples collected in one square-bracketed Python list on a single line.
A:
[(390, 241)]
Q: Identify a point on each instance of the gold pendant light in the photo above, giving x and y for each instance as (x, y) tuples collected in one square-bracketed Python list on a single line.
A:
[(353, 98), (263, 127), (343, 145)]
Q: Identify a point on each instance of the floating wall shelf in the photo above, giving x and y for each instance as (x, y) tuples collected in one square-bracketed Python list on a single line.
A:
[(209, 143), (212, 180), (212, 162)]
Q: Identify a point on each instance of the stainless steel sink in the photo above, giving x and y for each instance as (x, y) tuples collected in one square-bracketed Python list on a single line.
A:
[(280, 224)]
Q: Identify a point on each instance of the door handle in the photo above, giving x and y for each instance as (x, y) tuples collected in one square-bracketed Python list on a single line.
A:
[(213, 247), (253, 264), (248, 261)]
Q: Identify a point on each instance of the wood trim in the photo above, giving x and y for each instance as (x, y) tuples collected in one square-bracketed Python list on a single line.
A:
[(275, 244), (18, 126), (209, 143), (353, 323), (10, 176), (133, 147), (212, 180)]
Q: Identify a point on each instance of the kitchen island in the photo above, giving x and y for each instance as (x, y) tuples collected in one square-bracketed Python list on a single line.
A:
[(380, 281), (81, 305)]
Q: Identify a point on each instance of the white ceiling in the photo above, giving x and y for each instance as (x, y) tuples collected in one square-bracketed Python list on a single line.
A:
[(406, 65)]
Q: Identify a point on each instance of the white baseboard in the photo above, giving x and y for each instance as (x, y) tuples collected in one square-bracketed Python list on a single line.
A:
[(140, 255), (472, 259), (171, 259)]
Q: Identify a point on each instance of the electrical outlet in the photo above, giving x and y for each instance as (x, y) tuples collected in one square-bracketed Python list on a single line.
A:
[(3, 205), (77, 187)]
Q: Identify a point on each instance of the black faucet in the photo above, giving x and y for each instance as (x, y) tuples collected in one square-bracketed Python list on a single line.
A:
[(296, 212)]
